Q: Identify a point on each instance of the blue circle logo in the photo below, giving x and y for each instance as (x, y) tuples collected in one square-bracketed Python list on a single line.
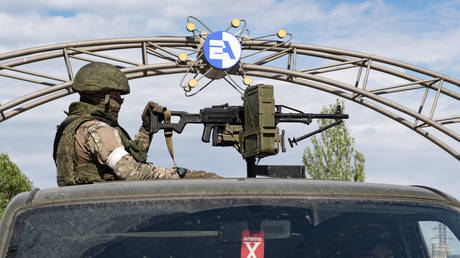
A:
[(222, 50)]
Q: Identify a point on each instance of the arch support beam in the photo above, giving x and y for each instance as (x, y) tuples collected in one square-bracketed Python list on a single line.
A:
[(289, 62)]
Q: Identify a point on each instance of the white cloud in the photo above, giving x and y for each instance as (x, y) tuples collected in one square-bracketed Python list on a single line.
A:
[(388, 30)]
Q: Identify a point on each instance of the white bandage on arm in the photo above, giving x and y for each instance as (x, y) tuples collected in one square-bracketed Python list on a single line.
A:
[(115, 156)]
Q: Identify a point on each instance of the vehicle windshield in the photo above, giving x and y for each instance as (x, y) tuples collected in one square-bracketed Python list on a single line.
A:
[(235, 227)]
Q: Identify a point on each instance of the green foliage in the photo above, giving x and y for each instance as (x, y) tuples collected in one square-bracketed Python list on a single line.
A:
[(12, 181), (333, 155)]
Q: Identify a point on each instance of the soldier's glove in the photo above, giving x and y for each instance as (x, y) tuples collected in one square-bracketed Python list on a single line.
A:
[(156, 109), (199, 174)]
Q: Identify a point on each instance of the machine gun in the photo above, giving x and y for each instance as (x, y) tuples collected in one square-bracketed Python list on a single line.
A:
[(251, 129)]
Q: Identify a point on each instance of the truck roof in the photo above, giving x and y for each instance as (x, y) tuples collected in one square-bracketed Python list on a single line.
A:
[(231, 187), (265, 188)]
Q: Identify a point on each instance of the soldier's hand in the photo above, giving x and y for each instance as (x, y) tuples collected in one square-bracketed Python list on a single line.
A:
[(156, 109), (200, 174)]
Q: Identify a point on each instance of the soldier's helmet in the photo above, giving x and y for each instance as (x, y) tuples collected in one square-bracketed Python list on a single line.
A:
[(98, 76)]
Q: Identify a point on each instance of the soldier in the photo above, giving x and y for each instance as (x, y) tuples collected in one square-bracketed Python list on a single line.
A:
[(90, 146)]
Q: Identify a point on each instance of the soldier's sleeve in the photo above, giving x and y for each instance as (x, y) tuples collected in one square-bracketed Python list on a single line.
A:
[(106, 144), (144, 137), (102, 139), (128, 168)]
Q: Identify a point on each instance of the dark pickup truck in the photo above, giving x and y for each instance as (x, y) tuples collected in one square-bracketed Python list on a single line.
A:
[(232, 218)]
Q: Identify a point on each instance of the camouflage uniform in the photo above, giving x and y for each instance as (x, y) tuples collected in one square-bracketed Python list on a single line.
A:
[(90, 150), (96, 141)]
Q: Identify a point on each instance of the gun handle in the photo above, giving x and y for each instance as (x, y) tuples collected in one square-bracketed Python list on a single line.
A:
[(206, 133), (154, 122)]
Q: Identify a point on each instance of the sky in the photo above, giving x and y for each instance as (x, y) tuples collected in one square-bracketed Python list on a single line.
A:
[(422, 33)]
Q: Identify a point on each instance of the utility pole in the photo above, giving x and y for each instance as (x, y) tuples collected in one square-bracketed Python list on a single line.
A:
[(439, 247)]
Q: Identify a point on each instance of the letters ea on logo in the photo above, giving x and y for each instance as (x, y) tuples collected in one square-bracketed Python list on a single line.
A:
[(222, 50), (252, 244)]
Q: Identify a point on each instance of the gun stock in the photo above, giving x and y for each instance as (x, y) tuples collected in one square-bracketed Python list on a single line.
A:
[(185, 118)]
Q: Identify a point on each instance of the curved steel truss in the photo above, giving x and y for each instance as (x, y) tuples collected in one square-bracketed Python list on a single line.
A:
[(308, 65)]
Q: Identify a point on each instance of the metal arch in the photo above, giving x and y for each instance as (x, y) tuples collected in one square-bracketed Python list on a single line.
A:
[(165, 49)]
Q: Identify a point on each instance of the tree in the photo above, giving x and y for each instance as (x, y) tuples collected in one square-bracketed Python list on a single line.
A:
[(333, 155), (12, 181)]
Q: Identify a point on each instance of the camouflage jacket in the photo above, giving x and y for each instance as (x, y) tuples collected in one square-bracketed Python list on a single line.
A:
[(92, 147)]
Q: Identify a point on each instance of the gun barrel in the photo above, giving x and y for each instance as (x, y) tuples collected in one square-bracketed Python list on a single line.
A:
[(304, 117)]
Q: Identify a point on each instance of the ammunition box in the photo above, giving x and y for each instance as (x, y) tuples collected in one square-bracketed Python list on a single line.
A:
[(259, 133)]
